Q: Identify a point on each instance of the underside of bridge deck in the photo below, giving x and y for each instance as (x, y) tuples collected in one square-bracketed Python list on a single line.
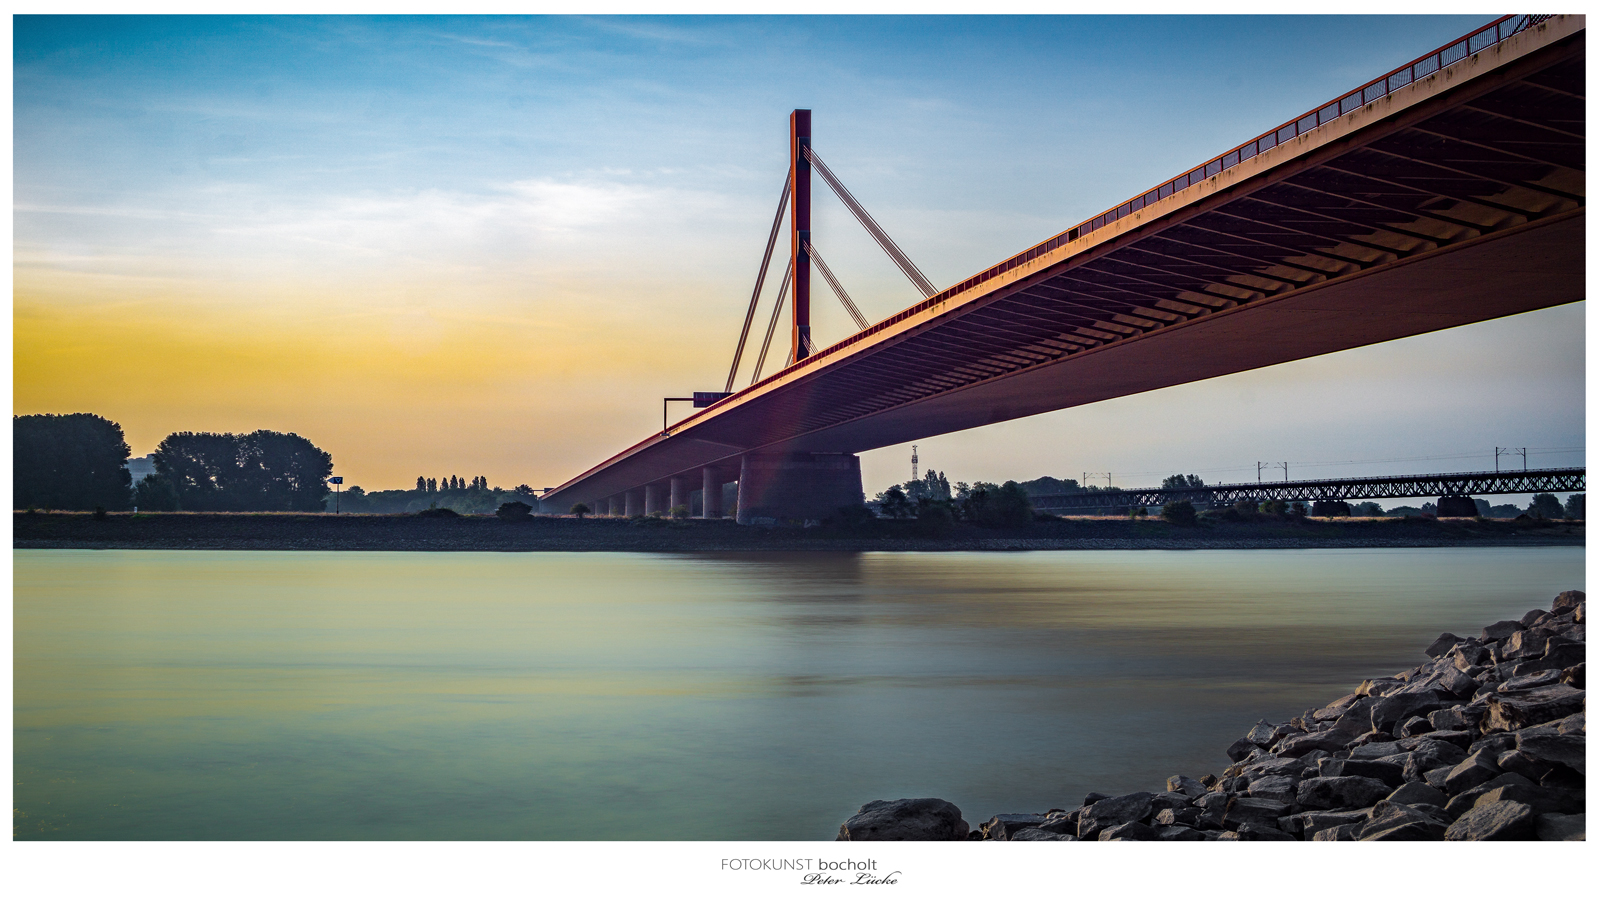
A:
[(1451, 201)]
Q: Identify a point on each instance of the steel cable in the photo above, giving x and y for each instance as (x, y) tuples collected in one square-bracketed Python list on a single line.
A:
[(919, 280), (838, 289), (761, 277), (777, 310)]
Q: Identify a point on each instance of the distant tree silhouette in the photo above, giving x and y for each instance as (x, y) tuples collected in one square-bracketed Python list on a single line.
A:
[(263, 470), (894, 503), (74, 461), (433, 486), (1181, 482), (580, 509), (1574, 507), (1179, 513), (1545, 506), (155, 492), (422, 484), (523, 490)]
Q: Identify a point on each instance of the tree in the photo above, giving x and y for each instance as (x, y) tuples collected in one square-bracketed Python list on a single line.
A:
[(422, 484), (1574, 507), (997, 506), (1545, 506), (515, 511), (580, 509), (263, 470), (1366, 509), (1181, 482), (1179, 513), (894, 503), (74, 461), (681, 511), (1274, 507), (523, 490), (154, 492)]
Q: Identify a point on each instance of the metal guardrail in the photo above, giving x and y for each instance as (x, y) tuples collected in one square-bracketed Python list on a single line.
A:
[(1475, 42), (1457, 484)]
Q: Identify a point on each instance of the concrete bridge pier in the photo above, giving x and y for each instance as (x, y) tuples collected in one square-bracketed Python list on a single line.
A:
[(679, 493), (711, 493), (796, 487), (652, 499), (613, 506), (633, 503)]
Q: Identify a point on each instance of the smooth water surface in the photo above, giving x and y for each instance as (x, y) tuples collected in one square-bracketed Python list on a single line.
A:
[(593, 696)]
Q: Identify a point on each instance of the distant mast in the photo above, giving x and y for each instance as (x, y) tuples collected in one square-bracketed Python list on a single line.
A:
[(913, 462)]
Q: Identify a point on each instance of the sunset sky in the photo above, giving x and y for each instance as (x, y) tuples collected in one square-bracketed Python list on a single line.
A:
[(491, 245)]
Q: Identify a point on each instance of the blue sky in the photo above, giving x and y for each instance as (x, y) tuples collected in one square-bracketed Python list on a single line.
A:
[(534, 228)]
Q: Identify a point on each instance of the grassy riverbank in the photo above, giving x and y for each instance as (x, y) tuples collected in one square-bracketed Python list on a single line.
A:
[(293, 531)]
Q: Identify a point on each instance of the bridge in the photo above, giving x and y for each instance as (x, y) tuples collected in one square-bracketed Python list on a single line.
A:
[(1445, 192), (1457, 484)]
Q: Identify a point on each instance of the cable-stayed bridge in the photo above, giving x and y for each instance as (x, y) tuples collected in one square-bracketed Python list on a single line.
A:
[(1445, 192)]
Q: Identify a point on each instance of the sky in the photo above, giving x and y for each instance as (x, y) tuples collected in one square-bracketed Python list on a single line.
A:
[(491, 245)]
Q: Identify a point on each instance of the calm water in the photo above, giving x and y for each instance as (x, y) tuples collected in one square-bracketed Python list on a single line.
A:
[(211, 695)]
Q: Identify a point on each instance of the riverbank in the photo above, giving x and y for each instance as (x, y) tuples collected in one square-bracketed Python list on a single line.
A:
[(295, 531), (1485, 741)]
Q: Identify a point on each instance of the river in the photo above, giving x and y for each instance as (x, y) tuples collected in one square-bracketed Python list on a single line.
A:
[(175, 695)]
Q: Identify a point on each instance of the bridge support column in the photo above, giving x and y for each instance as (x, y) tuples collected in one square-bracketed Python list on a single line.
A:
[(633, 503), (796, 487), (653, 495), (711, 493), (679, 494), (614, 506)]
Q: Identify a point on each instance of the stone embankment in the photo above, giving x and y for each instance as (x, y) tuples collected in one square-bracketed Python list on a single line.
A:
[(1484, 742)]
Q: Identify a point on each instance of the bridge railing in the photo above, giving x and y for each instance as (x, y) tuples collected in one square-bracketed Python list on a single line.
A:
[(1453, 52)]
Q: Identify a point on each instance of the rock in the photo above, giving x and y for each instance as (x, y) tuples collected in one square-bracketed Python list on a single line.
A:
[(1522, 764), (1248, 832), (1471, 772), (1240, 749), (1416, 792), (1457, 682), (1113, 811), (1339, 833), (1551, 827), (1414, 726), (1520, 709), (1282, 765), (1562, 653), (1533, 617), (1189, 816), (1453, 718), (1216, 802), (1001, 827), (1340, 793), (1459, 804), (1504, 821), (1400, 822), (1566, 601), (1179, 833), (1185, 785), (1498, 743), (1533, 679), (1572, 724), (1388, 773), (1523, 645), (1274, 787), (1263, 734), (1573, 676), (1132, 831), (1169, 800), (1253, 811), (1434, 778), (1094, 797), (927, 819), (1036, 834), (1461, 740), (1064, 823), (1500, 631), (1549, 745), (1378, 749), (1540, 799), (1469, 655), (1443, 644), (1318, 820), (1377, 687), (1392, 709)]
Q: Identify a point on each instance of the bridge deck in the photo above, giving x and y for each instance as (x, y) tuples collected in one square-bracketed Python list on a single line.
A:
[(1454, 198)]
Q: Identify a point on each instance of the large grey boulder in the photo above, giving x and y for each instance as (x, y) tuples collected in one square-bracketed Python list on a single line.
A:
[(1460, 803), (1036, 834), (1257, 811), (1281, 788), (1113, 811), (1566, 601), (1520, 709), (1504, 821), (1131, 831), (1386, 772), (1457, 718), (1548, 744), (1309, 823), (926, 819), (1185, 785), (1563, 653), (1416, 792), (1349, 792), (1471, 772), (1443, 644), (1392, 709), (1500, 630), (1541, 799), (1553, 827)]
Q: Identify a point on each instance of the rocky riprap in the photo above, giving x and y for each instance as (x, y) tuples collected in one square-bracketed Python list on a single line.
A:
[(1483, 742)]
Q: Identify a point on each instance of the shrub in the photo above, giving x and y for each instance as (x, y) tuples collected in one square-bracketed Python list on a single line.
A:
[(438, 513), (1274, 507), (515, 511), (1180, 513), (578, 509), (934, 519), (681, 511)]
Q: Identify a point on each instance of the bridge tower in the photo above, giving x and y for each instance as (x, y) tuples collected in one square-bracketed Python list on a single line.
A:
[(800, 228)]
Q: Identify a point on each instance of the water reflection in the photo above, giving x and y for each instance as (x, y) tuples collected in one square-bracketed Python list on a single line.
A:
[(630, 696)]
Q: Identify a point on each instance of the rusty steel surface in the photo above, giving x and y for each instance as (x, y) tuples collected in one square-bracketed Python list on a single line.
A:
[(1455, 197)]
